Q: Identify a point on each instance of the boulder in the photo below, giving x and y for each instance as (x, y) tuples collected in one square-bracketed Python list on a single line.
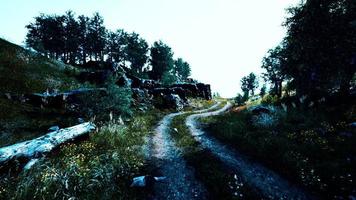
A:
[(146, 181), (59, 100), (168, 101), (174, 96), (257, 110)]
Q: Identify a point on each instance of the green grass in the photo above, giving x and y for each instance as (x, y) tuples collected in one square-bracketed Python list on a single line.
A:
[(304, 146), (198, 104), (101, 167), (22, 71)]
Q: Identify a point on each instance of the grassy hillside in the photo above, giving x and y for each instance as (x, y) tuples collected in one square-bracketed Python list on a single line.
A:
[(23, 72)]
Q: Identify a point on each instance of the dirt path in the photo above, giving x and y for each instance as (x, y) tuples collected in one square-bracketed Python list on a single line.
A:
[(270, 184), (180, 182)]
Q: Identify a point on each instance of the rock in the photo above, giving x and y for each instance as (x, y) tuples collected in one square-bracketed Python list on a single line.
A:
[(353, 124), (146, 181), (345, 134), (53, 128), (143, 88), (59, 100), (173, 101), (257, 110)]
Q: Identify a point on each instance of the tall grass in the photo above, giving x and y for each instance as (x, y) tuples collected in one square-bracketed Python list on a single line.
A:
[(99, 168)]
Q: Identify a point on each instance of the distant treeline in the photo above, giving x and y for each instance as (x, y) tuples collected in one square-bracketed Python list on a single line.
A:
[(77, 40), (317, 57)]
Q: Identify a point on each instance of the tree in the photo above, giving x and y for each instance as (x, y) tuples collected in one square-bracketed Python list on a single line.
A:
[(161, 60), (249, 84), (273, 64), (46, 35), (320, 46), (168, 78), (263, 91), (34, 36), (71, 37), (115, 47), (240, 99), (136, 53), (96, 37), (181, 69), (83, 24)]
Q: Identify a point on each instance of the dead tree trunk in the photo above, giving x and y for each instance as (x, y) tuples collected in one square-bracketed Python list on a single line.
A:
[(39, 146)]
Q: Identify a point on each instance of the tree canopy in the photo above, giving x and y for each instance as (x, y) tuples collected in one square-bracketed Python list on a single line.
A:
[(249, 84), (318, 55), (77, 40)]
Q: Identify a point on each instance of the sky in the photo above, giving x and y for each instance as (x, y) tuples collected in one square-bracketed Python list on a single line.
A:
[(222, 40)]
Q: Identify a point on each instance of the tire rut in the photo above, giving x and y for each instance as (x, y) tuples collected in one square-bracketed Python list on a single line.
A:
[(180, 180), (269, 183)]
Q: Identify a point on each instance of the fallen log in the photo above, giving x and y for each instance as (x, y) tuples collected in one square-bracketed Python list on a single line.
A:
[(39, 146)]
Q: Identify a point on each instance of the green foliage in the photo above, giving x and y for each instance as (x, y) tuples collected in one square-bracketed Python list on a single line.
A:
[(318, 53), (269, 99), (249, 84), (181, 69), (136, 52), (263, 91), (161, 60), (100, 168), (168, 79), (240, 100), (115, 47), (117, 101), (96, 37), (273, 63), (22, 71)]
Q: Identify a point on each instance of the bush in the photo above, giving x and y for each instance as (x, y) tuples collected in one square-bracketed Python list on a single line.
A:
[(117, 101), (168, 78), (269, 99)]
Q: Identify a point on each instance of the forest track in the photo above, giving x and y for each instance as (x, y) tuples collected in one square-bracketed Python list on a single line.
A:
[(180, 180), (264, 180)]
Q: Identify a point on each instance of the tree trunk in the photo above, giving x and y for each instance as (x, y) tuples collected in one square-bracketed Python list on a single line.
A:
[(44, 144)]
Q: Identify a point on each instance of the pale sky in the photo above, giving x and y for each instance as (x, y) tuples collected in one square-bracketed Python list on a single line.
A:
[(222, 40)]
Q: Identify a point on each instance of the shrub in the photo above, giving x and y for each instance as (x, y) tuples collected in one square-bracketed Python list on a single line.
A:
[(168, 78), (117, 101), (269, 99)]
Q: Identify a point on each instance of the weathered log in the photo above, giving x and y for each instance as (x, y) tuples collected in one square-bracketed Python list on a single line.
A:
[(37, 147)]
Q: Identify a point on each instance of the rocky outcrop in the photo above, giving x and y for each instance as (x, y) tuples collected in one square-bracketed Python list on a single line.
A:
[(174, 96), (53, 99), (165, 97)]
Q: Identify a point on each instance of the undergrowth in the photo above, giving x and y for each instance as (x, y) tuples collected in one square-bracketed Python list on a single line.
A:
[(100, 168), (311, 147)]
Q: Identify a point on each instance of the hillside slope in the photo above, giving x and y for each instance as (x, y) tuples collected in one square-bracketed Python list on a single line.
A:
[(24, 72)]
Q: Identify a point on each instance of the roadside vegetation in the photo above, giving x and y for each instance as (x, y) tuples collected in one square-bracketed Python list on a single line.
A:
[(101, 167), (313, 147)]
